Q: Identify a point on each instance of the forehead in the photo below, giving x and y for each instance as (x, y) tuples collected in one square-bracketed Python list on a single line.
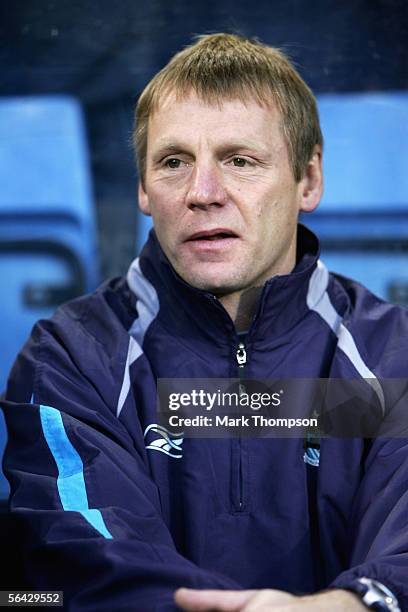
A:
[(190, 117)]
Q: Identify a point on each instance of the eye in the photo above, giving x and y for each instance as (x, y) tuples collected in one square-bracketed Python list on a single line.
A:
[(172, 163), (239, 162)]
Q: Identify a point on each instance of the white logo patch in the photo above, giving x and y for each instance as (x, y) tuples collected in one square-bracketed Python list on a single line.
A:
[(160, 439)]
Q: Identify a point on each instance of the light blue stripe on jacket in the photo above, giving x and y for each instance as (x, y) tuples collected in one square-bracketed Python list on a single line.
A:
[(70, 481)]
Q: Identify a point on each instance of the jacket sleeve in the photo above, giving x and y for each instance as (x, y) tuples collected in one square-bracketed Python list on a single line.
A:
[(378, 537), (80, 483)]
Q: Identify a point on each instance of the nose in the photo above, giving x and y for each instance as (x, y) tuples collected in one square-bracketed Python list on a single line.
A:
[(206, 189)]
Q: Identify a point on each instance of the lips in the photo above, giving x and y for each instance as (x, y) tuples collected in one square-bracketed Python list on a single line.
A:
[(212, 234), (211, 245)]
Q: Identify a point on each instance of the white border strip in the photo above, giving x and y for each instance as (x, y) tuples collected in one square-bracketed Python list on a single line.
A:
[(134, 351), (319, 301)]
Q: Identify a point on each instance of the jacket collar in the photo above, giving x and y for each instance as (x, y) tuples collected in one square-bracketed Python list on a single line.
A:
[(195, 315)]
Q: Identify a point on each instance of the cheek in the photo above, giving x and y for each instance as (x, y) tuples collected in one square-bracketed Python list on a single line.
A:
[(274, 220), (165, 197), (162, 206), (268, 211)]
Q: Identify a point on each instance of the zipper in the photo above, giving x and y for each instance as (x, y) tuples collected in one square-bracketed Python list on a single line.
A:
[(241, 357), (238, 444)]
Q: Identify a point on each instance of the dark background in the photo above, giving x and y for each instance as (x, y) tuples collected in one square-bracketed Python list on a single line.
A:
[(105, 51)]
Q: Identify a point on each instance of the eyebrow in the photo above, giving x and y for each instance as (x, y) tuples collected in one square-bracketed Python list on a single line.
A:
[(243, 145), (166, 148)]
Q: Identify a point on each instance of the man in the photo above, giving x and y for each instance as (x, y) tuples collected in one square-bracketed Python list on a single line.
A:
[(117, 512)]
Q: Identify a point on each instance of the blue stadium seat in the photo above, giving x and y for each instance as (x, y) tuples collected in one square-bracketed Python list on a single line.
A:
[(363, 217), (48, 246)]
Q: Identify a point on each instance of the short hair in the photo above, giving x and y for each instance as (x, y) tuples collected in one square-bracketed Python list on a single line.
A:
[(228, 66)]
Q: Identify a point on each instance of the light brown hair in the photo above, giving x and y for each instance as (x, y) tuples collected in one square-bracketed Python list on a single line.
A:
[(228, 66)]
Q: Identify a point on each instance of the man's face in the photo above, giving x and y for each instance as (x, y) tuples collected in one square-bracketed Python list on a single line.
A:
[(221, 192)]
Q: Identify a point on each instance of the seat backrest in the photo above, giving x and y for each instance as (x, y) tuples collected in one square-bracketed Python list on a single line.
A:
[(45, 176), (362, 220), (366, 151)]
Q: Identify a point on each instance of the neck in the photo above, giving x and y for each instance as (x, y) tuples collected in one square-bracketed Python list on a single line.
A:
[(242, 306)]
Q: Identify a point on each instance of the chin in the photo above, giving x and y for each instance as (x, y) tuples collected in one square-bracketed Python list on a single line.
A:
[(216, 284)]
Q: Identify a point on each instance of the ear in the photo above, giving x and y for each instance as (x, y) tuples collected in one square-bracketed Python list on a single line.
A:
[(143, 200), (311, 185)]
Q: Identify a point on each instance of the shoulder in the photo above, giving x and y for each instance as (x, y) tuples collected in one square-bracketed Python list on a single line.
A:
[(380, 329), (108, 310), (85, 339)]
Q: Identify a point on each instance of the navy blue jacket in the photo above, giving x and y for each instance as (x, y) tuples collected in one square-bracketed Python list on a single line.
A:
[(118, 515)]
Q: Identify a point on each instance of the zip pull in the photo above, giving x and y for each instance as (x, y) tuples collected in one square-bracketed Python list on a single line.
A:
[(241, 355)]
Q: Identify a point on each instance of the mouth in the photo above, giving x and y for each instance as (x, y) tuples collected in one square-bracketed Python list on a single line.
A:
[(212, 245), (212, 235)]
